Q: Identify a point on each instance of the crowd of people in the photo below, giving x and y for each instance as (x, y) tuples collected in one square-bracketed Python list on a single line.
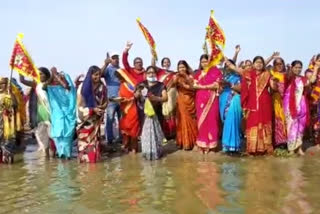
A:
[(253, 107)]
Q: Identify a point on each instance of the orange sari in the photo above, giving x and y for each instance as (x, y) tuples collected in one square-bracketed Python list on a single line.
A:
[(129, 122), (186, 114)]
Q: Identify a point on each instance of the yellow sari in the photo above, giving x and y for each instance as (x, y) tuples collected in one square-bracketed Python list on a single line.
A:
[(280, 134)]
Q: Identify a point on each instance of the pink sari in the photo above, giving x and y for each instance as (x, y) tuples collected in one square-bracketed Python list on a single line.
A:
[(207, 106), (296, 112)]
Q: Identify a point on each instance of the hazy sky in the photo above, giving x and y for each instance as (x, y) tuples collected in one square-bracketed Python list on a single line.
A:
[(74, 34)]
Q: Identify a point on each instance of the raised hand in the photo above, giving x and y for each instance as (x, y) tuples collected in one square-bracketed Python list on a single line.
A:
[(238, 49), (275, 54), (129, 45), (108, 59)]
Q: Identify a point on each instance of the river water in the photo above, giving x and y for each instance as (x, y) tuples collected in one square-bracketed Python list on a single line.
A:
[(181, 182)]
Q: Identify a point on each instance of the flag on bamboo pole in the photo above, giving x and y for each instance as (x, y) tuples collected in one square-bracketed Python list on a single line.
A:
[(149, 38), (21, 60), (205, 47)]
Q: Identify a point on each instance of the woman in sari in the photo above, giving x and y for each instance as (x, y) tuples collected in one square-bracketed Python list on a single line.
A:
[(296, 106), (230, 110), (186, 111), (166, 76), (279, 122), (129, 123), (257, 104), (43, 124), (314, 102), (207, 105), (17, 91), (8, 122), (62, 100), (92, 102), (151, 94)]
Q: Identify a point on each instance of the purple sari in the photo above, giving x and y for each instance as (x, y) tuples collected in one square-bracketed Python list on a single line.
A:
[(207, 107)]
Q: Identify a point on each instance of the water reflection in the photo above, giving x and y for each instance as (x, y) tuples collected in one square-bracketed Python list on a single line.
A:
[(208, 191), (182, 182), (232, 184), (262, 186), (296, 201)]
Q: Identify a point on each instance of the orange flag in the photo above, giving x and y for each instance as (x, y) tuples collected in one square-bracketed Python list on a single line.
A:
[(21, 61), (149, 38)]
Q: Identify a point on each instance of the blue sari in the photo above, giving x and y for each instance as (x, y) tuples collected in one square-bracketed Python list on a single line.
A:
[(63, 116), (231, 115)]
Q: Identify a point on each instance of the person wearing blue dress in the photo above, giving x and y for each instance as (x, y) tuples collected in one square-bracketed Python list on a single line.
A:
[(230, 110), (62, 100)]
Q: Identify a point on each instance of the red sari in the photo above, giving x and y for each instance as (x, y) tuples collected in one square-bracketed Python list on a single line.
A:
[(258, 106), (129, 122)]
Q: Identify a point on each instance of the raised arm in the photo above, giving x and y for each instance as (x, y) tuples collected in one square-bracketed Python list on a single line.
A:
[(236, 53), (233, 67), (26, 82), (272, 57), (125, 54), (107, 61), (60, 79), (77, 81)]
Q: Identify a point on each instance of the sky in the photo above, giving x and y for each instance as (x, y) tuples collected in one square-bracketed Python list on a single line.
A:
[(75, 34)]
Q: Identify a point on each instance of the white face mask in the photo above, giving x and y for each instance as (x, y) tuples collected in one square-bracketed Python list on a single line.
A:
[(152, 79)]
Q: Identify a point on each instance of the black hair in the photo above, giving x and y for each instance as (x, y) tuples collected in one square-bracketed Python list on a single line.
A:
[(93, 69), (153, 67), (203, 56), (45, 71), (165, 58), (296, 62), (261, 58), (183, 62), (284, 65), (137, 58)]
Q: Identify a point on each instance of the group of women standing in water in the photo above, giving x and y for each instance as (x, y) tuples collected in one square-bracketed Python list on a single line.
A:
[(252, 107)]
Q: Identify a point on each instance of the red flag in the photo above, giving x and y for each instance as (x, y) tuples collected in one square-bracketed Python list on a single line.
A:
[(21, 61), (215, 56), (149, 38), (215, 37), (216, 33)]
